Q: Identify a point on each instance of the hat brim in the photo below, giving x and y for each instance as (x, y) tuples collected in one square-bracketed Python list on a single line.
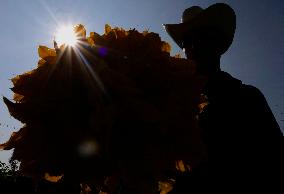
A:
[(220, 16)]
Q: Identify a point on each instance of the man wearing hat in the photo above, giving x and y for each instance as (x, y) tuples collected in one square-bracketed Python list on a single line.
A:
[(243, 139)]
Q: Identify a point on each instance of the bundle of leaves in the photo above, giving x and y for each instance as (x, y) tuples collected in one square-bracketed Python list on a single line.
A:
[(115, 105)]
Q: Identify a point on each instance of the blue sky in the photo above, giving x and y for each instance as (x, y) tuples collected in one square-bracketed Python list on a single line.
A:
[(256, 55)]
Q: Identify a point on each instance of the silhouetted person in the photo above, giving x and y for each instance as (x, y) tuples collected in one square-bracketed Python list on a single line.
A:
[(243, 139)]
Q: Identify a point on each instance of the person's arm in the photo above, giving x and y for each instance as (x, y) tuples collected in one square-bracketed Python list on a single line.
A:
[(261, 112), (266, 134)]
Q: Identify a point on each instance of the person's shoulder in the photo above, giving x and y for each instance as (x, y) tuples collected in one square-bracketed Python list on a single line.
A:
[(246, 89), (253, 97), (252, 91)]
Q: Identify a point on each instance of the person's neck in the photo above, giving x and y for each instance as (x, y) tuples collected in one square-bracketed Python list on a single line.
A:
[(209, 67)]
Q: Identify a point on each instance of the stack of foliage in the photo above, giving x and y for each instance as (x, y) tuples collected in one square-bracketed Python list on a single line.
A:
[(113, 108)]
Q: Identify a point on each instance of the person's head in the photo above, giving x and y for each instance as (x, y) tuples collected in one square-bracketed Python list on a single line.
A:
[(200, 47), (205, 34)]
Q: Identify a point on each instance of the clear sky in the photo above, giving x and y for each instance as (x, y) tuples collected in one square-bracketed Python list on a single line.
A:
[(256, 55)]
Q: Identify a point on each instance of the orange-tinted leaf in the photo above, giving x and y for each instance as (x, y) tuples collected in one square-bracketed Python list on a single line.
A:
[(90, 41), (166, 47), (107, 29), (80, 30), (52, 60), (45, 52), (18, 97), (15, 79), (41, 62)]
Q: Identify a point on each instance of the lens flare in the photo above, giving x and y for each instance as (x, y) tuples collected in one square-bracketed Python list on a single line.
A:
[(66, 35), (88, 148)]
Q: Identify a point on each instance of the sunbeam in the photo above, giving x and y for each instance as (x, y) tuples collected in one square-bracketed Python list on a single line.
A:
[(50, 12), (89, 69)]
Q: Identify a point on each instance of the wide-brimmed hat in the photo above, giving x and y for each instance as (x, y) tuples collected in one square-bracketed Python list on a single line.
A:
[(219, 16)]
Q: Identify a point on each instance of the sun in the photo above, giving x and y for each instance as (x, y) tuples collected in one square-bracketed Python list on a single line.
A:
[(66, 35)]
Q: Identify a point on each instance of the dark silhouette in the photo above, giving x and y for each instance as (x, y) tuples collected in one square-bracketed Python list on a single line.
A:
[(244, 142), (118, 115)]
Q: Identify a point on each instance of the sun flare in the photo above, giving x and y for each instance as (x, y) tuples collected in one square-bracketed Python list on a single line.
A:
[(66, 35)]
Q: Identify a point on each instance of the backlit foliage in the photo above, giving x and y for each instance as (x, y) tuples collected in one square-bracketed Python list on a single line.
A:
[(116, 105)]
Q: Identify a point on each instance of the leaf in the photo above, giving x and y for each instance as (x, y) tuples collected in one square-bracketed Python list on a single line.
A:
[(90, 41), (80, 31), (107, 29), (18, 97), (15, 79), (41, 63), (45, 52), (166, 47)]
